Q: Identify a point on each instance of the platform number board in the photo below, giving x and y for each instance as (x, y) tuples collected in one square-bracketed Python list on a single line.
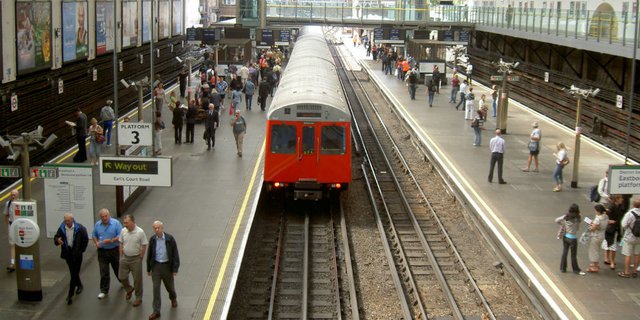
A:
[(135, 134)]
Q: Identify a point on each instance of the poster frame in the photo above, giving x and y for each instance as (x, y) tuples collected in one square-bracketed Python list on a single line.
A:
[(122, 22), (169, 21), (107, 51), (180, 26), (20, 72), (86, 8)]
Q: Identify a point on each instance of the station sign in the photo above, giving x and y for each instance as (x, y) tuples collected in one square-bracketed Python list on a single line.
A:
[(121, 171), (10, 172), (25, 209), (195, 34), (135, 133), (388, 35), (285, 35), (43, 172), (624, 180), (266, 37)]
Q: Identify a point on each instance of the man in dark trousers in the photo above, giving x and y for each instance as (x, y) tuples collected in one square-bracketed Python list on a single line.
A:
[(73, 239), (80, 130), (182, 81), (178, 121), (192, 114), (210, 124), (497, 156), (163, 262), (263, 93)]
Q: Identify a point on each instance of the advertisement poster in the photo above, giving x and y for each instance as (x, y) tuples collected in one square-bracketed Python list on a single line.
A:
[(163, 19), (74, 31), (146, 19), (71, 191), (177, 18), (33, 35), (104, 27), (129, 24)]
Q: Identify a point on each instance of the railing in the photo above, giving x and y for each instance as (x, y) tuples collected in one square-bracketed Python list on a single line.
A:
[(605, 27)]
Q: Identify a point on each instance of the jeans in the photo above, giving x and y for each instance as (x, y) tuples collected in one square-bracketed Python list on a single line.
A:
[(496, 157), (557, 174), (107, 257), (478, 138), (463, 101), (248, 99), (454, 94), (431, 94), (494, 105), (108, 126), (566, 245), (412, 91)]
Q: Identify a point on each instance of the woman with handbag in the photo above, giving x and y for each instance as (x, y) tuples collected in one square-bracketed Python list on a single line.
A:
[(571, 223), (534, 147), (562, 159), (597, 229), (96, 139)]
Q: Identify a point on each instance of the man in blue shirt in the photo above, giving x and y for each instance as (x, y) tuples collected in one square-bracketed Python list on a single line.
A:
[(163, 262), (106, 236)]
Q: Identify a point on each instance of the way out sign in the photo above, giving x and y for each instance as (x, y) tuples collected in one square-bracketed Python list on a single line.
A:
[(135, 134)]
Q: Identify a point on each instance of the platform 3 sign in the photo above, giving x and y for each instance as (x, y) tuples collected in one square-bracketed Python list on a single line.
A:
[(120, 171), (135, 134), (624, 179)]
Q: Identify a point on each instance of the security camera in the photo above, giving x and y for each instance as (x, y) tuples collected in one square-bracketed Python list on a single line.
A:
[(14, 154), (516, 64), (47, 143), (4, 143), (179, 60), (125, 83), (595, 92)]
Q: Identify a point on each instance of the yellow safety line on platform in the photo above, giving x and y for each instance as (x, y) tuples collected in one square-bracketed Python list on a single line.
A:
[(504, 228), (236, 227)]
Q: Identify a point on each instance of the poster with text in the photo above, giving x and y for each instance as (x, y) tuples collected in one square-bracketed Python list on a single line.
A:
[(71, 191), (104, 27), (74, 31), (163, 19), (177, 18), (146, 21), (33, 35), (129, 24)]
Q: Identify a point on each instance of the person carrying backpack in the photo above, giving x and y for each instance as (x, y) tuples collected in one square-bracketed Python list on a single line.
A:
[(631, 240), (412, 82)]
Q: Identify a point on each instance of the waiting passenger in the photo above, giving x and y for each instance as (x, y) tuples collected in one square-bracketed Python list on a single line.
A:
[(534, 147), (597, 229), (571, 223)]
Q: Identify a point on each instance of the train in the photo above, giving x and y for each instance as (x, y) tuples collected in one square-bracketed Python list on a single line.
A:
[(308, 129)]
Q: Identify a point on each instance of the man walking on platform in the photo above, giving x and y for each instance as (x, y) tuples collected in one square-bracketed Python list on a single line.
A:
[(73, 240), (497, 155), (133, 245), (9, 216), (239, 129), (210, 124), (163, 262), (106, 235), (108, 116), (463, 95), (263, 93)]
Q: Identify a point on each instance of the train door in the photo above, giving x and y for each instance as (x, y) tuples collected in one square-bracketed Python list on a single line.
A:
[(308, 155)]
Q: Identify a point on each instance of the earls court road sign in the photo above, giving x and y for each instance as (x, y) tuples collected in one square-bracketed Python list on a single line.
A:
[(120, 171)]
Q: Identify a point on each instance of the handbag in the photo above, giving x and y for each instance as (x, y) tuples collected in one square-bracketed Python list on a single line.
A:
[(533, 146), (561, 232), (100, 138), (585, 237), (565, 162)]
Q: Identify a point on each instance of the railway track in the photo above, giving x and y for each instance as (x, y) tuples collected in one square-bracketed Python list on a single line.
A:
[(430, 276), (300, 268)]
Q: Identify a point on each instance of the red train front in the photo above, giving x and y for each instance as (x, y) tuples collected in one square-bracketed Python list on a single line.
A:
[(309, 125)]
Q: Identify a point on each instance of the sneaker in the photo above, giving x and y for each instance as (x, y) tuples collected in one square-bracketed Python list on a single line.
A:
[(101, 295), (581, 273)]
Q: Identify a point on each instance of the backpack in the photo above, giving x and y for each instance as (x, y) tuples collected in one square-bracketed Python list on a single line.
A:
[(594, 195), (635, 229), (412, 77)]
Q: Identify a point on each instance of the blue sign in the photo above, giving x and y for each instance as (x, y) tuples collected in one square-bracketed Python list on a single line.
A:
[(395, 34), (464, 36), (267, 36), (26, 262), (285, 35), (445, 35), (378, 34)]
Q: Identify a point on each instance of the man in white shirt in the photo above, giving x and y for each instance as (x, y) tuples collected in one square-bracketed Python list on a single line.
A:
[(463, 95), (497, 155), (133, 245)]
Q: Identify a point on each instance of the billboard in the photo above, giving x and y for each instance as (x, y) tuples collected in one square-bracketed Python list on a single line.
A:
[(146, 21), (104, 27), (74, 31), (176, 27), (33, 35), (163, 19), (129, 24)]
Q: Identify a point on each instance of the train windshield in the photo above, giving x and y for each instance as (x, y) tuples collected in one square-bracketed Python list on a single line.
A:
[(283, 139), (333, 140)]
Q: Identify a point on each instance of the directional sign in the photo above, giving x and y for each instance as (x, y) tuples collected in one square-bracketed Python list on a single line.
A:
[(135, 134), (509, 78), (10, 172), (44, 172), (121, 171), (624, 179)]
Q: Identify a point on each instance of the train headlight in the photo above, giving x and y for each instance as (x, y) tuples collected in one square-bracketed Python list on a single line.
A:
[(277, 185)]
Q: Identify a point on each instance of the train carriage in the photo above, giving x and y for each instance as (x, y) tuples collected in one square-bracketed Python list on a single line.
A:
[(308, 125)]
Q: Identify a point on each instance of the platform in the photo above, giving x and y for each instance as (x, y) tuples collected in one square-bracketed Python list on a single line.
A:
[(522, 211), (205, 210)]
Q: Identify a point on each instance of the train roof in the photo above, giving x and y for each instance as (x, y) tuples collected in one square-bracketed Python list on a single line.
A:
[(310, 78)]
